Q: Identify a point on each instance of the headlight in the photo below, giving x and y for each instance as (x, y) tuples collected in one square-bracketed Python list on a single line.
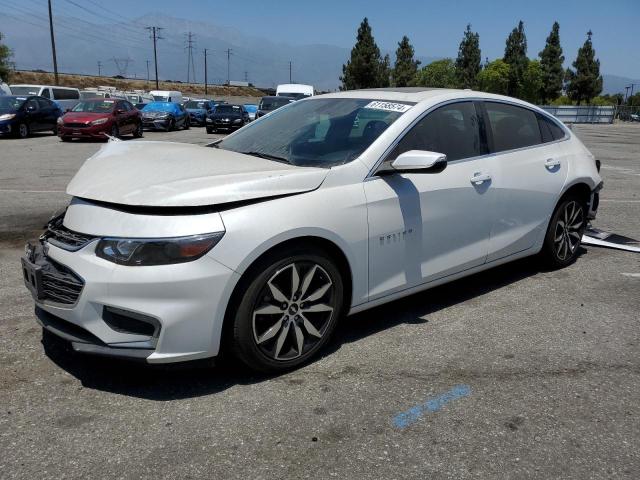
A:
[(237, 120), (7, 116), (60, 121), (209, 120), (156, 251), (100, 121), (162, 115)]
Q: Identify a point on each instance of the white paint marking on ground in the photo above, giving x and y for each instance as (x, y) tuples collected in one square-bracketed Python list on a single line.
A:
[(633, 275), (618, 201), (31, 191)]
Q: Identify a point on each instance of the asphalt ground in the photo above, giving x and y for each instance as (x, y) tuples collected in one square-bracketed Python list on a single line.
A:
[(512, 373)]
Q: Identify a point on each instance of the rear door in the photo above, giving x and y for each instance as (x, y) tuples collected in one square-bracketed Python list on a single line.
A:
[(48, 114), (34, 117), (528, 175), (425, 226)]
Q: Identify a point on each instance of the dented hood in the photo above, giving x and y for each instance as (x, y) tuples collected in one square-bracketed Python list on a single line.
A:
[(163, 174)]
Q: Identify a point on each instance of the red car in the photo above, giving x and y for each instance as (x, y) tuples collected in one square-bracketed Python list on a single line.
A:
[(98, 118)]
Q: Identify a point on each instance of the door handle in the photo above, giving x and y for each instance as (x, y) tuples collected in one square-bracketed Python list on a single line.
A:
[(551, 163), (479, 178)]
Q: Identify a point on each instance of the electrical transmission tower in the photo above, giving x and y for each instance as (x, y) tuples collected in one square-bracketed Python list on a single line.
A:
[(191, 66), (122, 65)]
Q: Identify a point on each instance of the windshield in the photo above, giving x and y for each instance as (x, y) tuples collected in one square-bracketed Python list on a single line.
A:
[(318, 133), (194, 105), (159, 107), (228, 109), (11, 104), (94, 106), (273, 103), (25, 90), (296, 95)]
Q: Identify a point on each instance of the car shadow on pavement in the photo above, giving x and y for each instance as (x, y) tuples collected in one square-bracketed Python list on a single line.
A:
[(199, 378)]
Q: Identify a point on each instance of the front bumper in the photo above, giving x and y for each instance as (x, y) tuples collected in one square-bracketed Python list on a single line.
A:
[(186, 301), (155, 123), (92, 131), (7, 127), (222, 125)]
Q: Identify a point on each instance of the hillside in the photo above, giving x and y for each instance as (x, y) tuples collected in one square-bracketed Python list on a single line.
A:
[(82, 81)]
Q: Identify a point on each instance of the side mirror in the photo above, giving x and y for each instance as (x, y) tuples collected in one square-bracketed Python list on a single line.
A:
[(67, 110), (31, 108), (419, 161), (119, 111)]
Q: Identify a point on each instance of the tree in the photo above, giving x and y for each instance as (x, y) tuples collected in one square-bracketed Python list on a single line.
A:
[(586, 82), (532, 82), (469, 58), (366, 68), (515, 55), (551, 60), (5, 60), (438, 74), (405, 67), (494, 78)]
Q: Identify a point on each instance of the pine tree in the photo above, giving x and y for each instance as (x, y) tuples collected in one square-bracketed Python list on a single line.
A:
[(5, 63), (551, 60), (366, 68), (469, 58), (515, 55), (586, 82), (406, 67)]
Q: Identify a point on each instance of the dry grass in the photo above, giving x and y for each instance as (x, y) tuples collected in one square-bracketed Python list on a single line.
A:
[(81, 81)]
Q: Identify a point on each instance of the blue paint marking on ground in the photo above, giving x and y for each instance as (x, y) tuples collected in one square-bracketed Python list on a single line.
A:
[(404, 419)]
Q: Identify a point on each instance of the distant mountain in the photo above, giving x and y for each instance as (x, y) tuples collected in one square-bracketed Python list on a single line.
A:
[(81, 45)]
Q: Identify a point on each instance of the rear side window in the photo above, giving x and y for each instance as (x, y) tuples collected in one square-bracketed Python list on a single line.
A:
[(452, 129), (44, 103), (64, 94), (549, 129), (512, 127), (45, 93)]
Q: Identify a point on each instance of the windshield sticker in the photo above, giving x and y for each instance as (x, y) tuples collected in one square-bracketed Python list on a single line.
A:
[(388, 106)]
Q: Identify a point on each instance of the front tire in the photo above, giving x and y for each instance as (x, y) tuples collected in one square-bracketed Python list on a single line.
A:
[(23, 130), (137, 133), (187, 124), (287, 310), (115, 131), (564, 234)]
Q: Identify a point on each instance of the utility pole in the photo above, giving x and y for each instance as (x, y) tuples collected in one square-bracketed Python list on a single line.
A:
[(190, 62), (246, 76), (205, 71), (290, 69), (53, 45), (155, 36), (148, 71), (626, 93), (99, 68), (228, 66)]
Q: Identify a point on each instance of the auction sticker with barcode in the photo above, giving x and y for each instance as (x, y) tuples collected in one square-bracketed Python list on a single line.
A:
[(388, 106)]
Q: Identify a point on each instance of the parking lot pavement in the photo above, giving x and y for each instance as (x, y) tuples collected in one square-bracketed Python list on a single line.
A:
[(511, 373)]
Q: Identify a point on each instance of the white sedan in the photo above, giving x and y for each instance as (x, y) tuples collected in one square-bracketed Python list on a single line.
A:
[(329, 206)]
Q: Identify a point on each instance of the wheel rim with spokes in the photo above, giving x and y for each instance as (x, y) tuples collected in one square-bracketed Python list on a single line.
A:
[(294, 310), (568, 230), (24, 131)]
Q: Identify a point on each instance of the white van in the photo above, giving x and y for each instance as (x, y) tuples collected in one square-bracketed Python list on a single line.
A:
[(294, 90), (4, 88), (171, 96), (66, 97)]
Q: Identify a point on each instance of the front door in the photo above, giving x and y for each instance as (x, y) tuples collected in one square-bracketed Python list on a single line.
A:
[(424, 226)]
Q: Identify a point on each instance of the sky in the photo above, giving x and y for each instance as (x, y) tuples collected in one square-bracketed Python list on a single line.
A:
[(434, 27)]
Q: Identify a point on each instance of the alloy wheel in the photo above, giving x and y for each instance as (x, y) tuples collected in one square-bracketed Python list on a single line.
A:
[(568, 230), (23, 130), (293, 311)]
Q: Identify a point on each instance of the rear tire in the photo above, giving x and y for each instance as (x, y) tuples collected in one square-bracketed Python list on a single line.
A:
[(209, 130), (286, 309), (564, 234), (65, 139)]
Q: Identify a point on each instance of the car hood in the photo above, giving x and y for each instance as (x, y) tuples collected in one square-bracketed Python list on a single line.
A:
[(196, 110), (163, 174), (82, 117)]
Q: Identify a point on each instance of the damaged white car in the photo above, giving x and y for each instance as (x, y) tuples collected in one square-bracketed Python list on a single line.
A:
[(329, 206)]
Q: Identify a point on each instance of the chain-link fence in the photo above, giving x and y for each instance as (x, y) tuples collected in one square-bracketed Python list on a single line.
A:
[(628, 113), (582, 114)]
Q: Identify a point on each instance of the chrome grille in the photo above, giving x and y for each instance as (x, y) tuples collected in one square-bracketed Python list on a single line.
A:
[(60, 236), (59, 284)]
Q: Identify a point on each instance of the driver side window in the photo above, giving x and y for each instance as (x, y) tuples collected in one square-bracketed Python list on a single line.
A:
[(453, 129)]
